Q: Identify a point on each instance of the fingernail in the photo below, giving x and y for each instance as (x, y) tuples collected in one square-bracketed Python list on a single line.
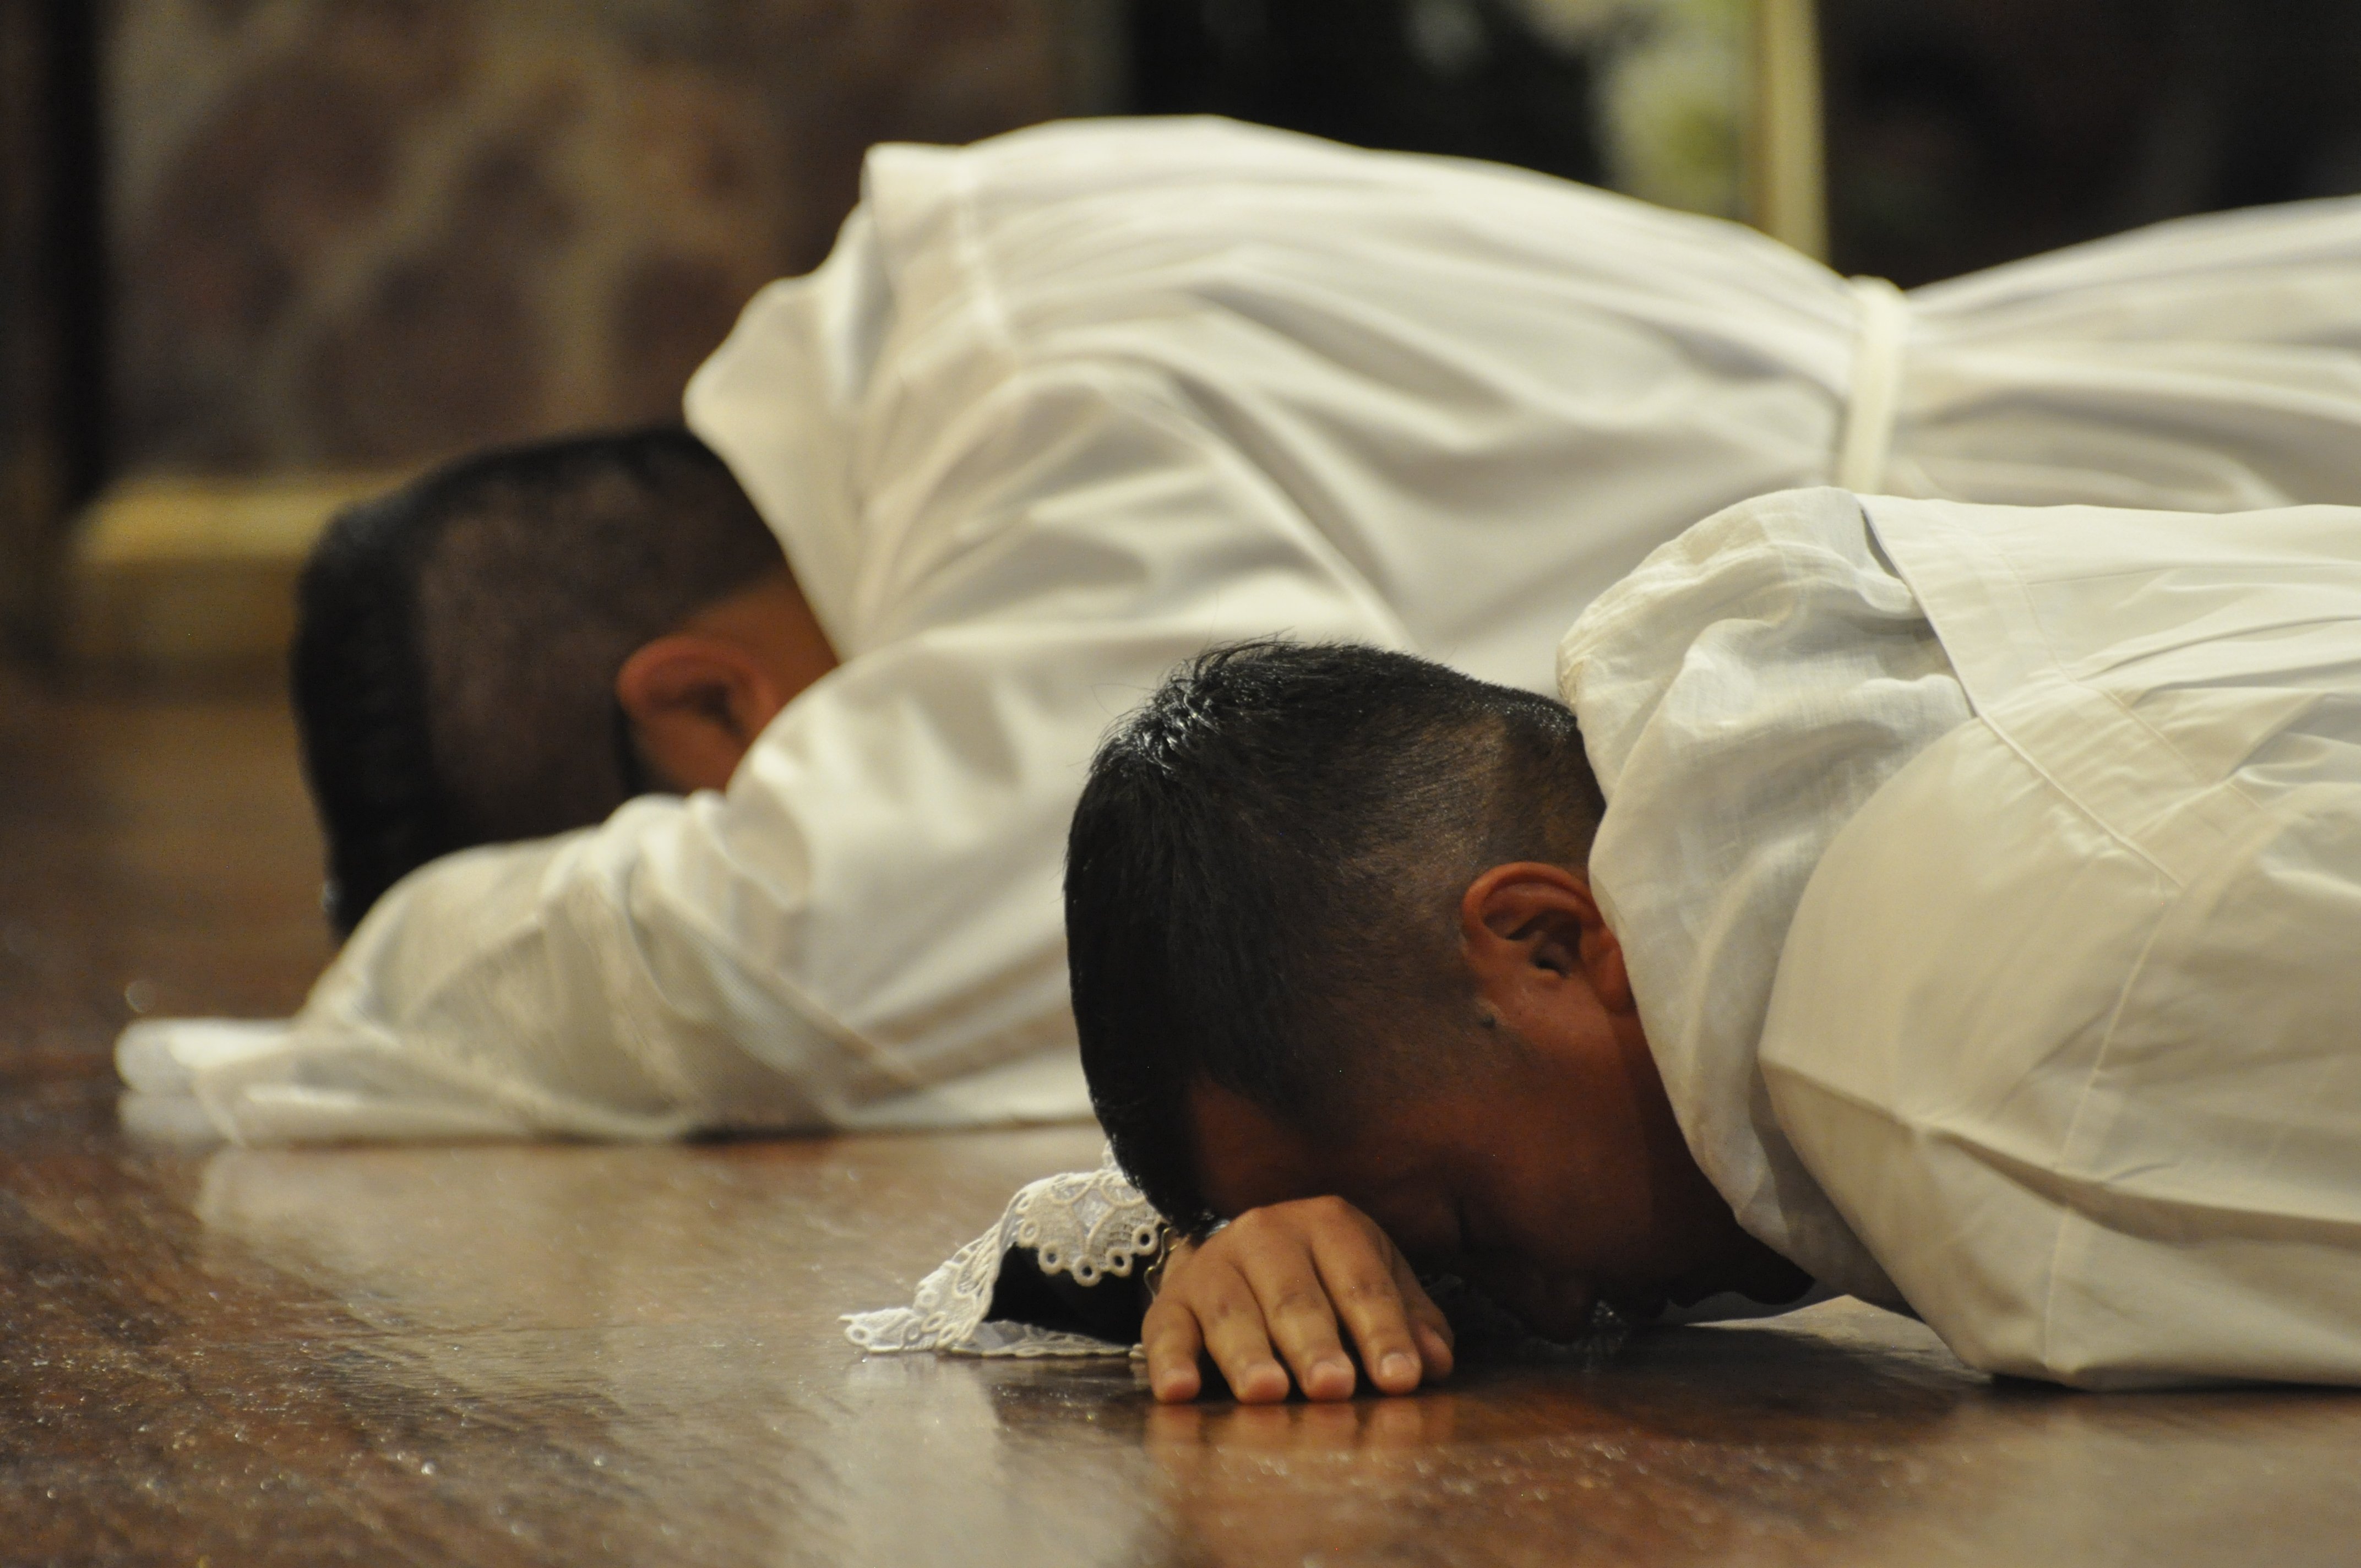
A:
[(1399, 1368)]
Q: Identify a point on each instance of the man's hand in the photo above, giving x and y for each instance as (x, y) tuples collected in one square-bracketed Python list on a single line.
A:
[(1280, 1279)]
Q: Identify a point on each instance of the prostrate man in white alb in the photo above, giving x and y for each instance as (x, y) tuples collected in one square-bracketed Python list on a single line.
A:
[(1949, 904), (1062, 408)]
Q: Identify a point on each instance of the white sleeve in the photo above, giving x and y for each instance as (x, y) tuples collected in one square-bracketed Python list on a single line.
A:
[(867, 930)]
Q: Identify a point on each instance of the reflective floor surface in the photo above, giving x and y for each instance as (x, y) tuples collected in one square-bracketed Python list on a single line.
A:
[(569, 1354)]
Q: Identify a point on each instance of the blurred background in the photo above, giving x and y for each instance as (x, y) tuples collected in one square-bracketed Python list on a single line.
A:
[(258, 257), (261, 254)]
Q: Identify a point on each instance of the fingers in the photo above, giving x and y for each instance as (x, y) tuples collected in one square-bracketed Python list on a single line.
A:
[(1300, 1315), (1171, 1339), (1210, 1310), (1279, 1292), (1436, 1343), (1402, 1336), (1255, 1304)]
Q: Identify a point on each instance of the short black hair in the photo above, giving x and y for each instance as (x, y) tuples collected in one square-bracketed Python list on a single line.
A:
[(1262, 881), (456, 641)]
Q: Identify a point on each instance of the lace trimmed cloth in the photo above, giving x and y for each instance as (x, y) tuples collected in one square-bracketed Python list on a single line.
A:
[(1088, 1227), (1052, 1259)]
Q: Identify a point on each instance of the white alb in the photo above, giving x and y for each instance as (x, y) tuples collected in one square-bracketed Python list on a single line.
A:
[(2007, 971)]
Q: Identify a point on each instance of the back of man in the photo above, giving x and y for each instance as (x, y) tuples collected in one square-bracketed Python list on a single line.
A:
[(1067, 407), (2044, 1028), (1481, 395)]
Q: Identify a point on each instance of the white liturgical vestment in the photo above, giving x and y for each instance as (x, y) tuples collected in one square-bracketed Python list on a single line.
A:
[(2017, 985), (1067, 406)]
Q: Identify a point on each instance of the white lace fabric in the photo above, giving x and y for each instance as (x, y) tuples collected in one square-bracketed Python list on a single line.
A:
[(1086, 1223)]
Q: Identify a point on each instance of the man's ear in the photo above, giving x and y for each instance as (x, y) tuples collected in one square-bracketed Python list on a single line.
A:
[(1532, 927), (695, 704)]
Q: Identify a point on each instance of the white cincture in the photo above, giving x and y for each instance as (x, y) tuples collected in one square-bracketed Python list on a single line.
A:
[(1087, 1224), (1876, 394)]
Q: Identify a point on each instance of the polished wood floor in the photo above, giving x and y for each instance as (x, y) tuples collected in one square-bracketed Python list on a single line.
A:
[(581, 1354)]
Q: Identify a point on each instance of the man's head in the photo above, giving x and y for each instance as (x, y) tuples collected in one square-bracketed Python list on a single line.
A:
[(1330, 933), (518, 642)]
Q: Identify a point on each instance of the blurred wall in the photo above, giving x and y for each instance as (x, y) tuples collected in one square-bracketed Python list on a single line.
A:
[(1647, 96), (1962, 133), (362, 233), (53, 301), (359, 233)]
